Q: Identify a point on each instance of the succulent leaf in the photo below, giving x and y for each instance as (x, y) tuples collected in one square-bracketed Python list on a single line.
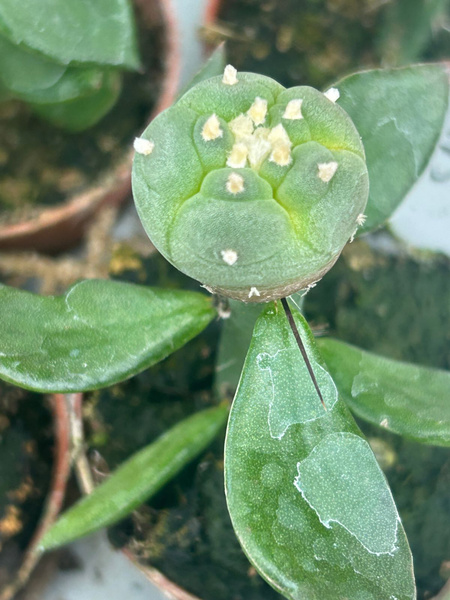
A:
[(250, 188), (81, 32)]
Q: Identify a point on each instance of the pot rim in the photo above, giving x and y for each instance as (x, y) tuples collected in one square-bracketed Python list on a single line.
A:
[(55, 497), (58, 228)]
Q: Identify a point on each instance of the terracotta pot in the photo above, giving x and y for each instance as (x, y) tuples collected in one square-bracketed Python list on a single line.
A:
[(168, 587), (55, 497), (212, 11), (59, 228)]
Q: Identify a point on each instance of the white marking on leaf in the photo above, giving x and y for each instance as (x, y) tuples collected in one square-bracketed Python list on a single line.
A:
[(294, 399), (254, 292), (342, 482)]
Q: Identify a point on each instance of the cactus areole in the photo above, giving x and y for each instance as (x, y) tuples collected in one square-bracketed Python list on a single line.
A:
[(251, 188)]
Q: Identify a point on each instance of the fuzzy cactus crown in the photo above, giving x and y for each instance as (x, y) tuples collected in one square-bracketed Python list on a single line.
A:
[(251, 188)]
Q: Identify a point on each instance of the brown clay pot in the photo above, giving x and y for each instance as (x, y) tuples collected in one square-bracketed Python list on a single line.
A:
[(168, 587), (59, 228), (55, 497), (212, 11)]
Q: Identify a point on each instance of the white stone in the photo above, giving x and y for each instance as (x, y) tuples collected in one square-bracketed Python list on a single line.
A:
[(293, 110), (332, 94), (258, 111), (230, 75), (229, 256), (326, 171), (211, 129), (235, 184), (143, 146)]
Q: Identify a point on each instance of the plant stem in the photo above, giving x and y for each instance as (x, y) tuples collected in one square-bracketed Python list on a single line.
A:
[(301, 346)]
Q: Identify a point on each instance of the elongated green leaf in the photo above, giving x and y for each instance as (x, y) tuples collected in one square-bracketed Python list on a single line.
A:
[(213, 66), (234, 342), (138, 478), (98, 333), (408, 27), (85, 31), (399, 114), (423, 220), (235, 339), (407, 399), (306, 496)]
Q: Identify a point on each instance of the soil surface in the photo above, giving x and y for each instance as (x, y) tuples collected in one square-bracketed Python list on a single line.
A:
[(315, 42), (26, 457), (42, 165)]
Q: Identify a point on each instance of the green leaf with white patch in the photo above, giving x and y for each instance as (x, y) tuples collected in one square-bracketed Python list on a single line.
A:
[(306, 496), (411, 400), (100, 32), (98, 333), (137, 479), (235, 337), (399, 114)]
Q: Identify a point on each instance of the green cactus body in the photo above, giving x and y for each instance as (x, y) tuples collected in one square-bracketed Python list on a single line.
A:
[(251, 188)]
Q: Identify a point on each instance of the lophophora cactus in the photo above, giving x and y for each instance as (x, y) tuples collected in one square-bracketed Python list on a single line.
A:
[(251, 188)]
